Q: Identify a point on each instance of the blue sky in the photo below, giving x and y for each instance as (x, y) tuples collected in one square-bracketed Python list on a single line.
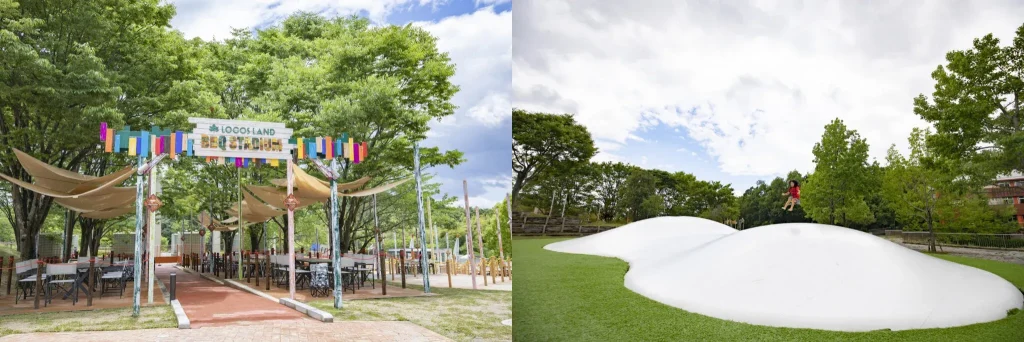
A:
[(737, 91), (476, 34)]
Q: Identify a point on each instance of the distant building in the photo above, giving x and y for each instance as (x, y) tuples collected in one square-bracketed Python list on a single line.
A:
[(1009, 190)]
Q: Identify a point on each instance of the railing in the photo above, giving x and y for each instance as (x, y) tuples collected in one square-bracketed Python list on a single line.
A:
[(999, 241)]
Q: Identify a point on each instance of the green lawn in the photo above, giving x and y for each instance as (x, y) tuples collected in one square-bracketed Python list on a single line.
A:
[(150, 317), (570, 297), (462, 315)]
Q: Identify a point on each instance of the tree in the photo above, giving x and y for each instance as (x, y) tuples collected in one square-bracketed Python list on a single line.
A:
[(69, 65), (610, 179), (637, 194), (913, 189), (541, 141), (975, 108), (835, 192)]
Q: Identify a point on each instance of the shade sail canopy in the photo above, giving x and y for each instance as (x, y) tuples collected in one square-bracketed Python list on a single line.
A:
[(59, 183), (114, 197), (356, 184), (275, 197), (109, 214), (374, 191)]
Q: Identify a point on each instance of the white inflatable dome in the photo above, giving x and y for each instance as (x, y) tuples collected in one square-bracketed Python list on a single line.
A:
[(647, 239), (799, 275)]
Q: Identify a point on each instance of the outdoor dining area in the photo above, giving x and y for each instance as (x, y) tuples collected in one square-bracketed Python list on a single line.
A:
[(51, 284), (267, 271)]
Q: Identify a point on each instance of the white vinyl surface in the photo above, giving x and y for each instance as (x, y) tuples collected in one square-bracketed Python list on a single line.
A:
[(799, 275)]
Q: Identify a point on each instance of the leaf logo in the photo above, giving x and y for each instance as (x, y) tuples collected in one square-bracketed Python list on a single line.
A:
[(213, 128)]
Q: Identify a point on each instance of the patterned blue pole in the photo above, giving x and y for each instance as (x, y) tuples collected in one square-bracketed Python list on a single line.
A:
[(419, 209), (336, 246), (137, 288)]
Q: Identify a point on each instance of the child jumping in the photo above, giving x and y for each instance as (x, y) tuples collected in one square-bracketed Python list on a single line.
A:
[(794, 195)]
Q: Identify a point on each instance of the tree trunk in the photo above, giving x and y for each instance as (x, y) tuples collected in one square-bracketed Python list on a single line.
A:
[(255, 238), (226, 240), (30, 211), (931, 232), (517, 186), (69, 228)]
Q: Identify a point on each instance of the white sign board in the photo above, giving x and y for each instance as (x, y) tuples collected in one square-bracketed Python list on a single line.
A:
[(240, 139)]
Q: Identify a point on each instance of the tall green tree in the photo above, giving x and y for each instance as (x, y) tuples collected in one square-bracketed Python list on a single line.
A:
[(975, 108), (541, 141), (638, 199), (326, 77), (69, 65), (835, 192), (912, 189)]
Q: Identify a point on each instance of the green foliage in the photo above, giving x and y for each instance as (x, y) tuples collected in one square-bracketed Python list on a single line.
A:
[(762, 203), (925, 196), (69, 65), (835, 192), (544, 141), (975, 108)]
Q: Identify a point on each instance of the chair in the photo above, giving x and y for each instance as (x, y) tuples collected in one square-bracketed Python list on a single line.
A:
[(119, 278), (63, 277), (319, 284), (26, 277)]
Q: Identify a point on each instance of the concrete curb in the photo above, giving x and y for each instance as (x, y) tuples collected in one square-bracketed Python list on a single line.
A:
[(246, 288), (183, 322), (310, 311)]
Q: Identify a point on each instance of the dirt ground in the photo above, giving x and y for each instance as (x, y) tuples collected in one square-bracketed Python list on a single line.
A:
[(1011, 256)]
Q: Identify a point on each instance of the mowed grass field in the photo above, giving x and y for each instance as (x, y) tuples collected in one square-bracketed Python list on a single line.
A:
[(570, 297)]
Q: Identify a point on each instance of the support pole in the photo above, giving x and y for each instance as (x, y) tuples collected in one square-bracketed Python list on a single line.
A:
[(139, 214), (153, 238), (335, 240), (291, 235), (380, 253), (404, 255), (430, 227), (241, 224), (480, 239), (501, 250), (424, 256), (469, 233)]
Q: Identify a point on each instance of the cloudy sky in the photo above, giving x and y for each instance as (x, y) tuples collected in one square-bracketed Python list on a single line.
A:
[(478, 36), (738, 91)]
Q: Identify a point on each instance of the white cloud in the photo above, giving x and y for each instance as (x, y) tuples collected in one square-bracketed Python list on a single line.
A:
[(480, 3), (215, 19), (754, 86), (494, 191), (682, 149), (480, 44)]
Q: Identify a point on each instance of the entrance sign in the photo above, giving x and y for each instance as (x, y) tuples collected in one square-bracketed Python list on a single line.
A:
[(240, 139), (237, 142)]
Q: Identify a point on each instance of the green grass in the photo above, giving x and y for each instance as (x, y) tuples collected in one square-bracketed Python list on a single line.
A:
[(462, 315), (570, 297), (150, 317)]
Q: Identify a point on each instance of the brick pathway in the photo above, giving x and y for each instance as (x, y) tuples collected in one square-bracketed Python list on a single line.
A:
[(207, 303), (273, 331)]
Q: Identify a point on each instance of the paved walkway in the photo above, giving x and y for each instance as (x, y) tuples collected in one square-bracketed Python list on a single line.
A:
[(302, 330), (209, 304)]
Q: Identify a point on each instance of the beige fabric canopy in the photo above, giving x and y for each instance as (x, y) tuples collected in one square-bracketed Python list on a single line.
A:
[(377, 190), (115, 197), (109, 214), (356, 184), (275, 197), (59, 183)]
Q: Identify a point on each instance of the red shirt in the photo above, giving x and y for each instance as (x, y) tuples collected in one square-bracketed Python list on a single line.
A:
[(794, 191)]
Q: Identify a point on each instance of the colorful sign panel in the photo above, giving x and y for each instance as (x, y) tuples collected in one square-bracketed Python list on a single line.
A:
[(240, 139), (237, 142)]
